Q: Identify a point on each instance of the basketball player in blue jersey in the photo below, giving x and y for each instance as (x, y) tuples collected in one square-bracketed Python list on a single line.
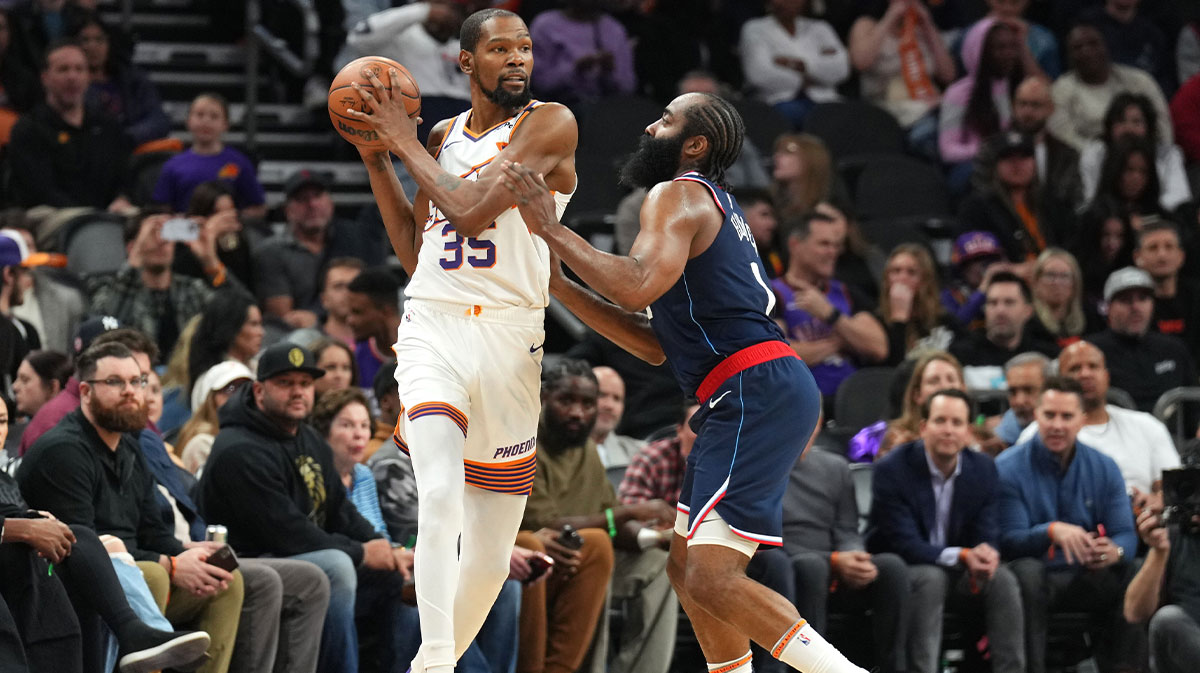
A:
[(695, 271), (468, 348)]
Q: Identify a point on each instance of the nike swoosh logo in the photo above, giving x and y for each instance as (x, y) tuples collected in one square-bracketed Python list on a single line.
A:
[(713, 403), (449, 144), (534, 349)]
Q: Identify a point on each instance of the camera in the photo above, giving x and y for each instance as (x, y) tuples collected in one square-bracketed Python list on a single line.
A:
[(180, 229), (1181, 498)]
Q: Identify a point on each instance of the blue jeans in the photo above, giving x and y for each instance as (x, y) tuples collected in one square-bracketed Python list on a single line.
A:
[(339, 639), (141, 600), (495, 647)]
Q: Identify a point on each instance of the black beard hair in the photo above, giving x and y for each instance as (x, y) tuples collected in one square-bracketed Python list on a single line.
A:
[(655, 160), (556, 436), (113, 420), (501, 96)]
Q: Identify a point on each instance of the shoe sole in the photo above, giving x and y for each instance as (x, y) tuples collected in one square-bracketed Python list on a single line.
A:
[(175, 653)]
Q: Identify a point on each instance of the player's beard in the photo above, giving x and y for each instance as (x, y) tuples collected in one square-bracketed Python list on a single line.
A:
[(505, 98), (118, 419), (655, 160)]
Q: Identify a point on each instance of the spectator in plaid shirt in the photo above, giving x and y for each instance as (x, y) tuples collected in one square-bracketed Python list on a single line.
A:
[(657, 472)]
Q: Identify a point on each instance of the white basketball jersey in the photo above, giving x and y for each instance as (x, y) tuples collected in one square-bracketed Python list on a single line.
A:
[(505, 265)]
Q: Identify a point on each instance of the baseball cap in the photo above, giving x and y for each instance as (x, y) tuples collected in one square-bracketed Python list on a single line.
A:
[(1011, 144), (285, 357), (1127, 278), (973, 245), (305, 177), (217, 377), (91, 328)]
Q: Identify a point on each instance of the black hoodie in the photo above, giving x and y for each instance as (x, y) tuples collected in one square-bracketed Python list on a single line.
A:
[(277, 493)]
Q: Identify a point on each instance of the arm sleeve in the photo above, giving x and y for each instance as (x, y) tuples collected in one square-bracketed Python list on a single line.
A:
[(845, 523), (1163, 456), (259, 493), (1060, 124), (32, 173), (378, 32), (1090, 160), (895, 521), (758, 64), (830, 64), (1019, 535), (985, 527), (948, 557)]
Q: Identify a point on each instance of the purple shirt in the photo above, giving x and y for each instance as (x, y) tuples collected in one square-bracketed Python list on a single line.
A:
[(184, 171), (66, 401), (558, 42), (802, 326)]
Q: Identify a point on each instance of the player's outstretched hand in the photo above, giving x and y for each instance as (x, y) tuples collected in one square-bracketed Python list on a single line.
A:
[(534, 200), (385, 113)]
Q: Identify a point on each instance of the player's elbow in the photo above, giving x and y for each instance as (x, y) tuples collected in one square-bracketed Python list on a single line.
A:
[(654, 356)]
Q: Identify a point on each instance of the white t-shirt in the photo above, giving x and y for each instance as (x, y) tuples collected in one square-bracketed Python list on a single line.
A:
[(1138, 442)]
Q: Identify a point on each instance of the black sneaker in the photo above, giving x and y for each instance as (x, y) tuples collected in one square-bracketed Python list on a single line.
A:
[(183, 652)]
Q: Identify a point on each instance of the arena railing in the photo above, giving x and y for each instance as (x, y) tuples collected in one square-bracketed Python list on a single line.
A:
[(263, 41)]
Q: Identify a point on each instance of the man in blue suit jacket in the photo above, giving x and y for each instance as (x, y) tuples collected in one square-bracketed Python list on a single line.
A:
[(934, 505), (1067, 525)]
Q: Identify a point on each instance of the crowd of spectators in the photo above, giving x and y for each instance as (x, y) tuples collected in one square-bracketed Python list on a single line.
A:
[(238, 373)]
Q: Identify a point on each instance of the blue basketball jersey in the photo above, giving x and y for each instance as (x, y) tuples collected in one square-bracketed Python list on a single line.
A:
[(722, 302)]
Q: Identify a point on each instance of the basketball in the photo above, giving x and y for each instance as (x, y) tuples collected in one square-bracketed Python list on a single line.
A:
[(342, 96)]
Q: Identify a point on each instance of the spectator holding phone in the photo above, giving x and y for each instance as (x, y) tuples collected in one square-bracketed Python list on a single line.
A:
[(570, 488), (1067, 529)]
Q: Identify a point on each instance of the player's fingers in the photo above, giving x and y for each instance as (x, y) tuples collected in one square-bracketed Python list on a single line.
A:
[(381, 91), (368, 100)]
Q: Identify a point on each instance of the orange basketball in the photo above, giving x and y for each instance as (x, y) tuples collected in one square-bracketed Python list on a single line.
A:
[(342, 96)]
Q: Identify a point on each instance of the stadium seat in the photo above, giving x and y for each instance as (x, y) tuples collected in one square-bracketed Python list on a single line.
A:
[(607, 134), (94, 243), (898, 186), (861, 399), (1170, 409), (1120, 398), (763, 124), (854, 127)]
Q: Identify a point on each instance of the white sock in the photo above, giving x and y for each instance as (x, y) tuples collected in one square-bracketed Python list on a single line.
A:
[(739, 665), (805, 650)]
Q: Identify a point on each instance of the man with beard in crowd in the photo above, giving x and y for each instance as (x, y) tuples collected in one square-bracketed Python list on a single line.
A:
[(88, 470)]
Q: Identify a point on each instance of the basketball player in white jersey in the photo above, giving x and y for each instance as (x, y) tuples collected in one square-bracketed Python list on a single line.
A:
[(469, 347)]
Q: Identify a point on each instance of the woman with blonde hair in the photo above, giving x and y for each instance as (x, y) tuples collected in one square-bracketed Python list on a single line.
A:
[(909, 304), (210, 393), (802, 174), (933, 371), (1059, 314)]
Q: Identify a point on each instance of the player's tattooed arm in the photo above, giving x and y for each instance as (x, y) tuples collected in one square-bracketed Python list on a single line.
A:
[(400, 217)]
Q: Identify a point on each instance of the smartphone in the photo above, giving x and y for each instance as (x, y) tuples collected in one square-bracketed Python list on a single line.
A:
[(539, 564), (224, 558), (180, 229), (570, 538)]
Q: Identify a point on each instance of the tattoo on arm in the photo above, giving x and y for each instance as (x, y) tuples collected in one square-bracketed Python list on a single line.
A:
[(448, 182), (379, 162)]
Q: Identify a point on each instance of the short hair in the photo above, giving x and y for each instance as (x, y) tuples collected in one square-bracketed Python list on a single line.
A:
[(55, 45), (85, 368), (556, 374), (1030, 358), (133, 223), (332, 403), (800, 228), (50, 365), (717, 120), (752, 195), (1010, 277), (1062, 384), (957, 394), (385, 380), (472, 26), (1156, 225), (380, 286), (340, 263), (133, 339)]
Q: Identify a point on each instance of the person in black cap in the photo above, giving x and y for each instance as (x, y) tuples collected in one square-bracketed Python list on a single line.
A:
[(271, 481), (1024, 219), (298, 256), (67, 399)]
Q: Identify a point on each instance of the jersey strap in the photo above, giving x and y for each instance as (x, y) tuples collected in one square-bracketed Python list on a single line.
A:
[(741, 361)]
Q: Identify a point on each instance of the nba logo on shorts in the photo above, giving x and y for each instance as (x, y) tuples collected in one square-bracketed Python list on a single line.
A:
[(804, 639)]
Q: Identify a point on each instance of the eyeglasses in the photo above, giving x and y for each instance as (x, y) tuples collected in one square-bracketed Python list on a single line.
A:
[(119, 383)]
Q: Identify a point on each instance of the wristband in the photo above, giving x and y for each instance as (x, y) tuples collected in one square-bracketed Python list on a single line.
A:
[(833, 316), (833, 560), (962, 555), (217, 273), (612, 524), (172, 575)]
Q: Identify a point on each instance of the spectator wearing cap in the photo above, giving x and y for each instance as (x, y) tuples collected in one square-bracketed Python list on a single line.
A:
[(271, 480), (17, 337), (212, 390), (298, 256), (1159, 252), (1007, 310), (146, 293), (1023, 218), (67, 400), (52, 302), (63, 153), (1142, 362), (1057, 162), (975, 257)]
